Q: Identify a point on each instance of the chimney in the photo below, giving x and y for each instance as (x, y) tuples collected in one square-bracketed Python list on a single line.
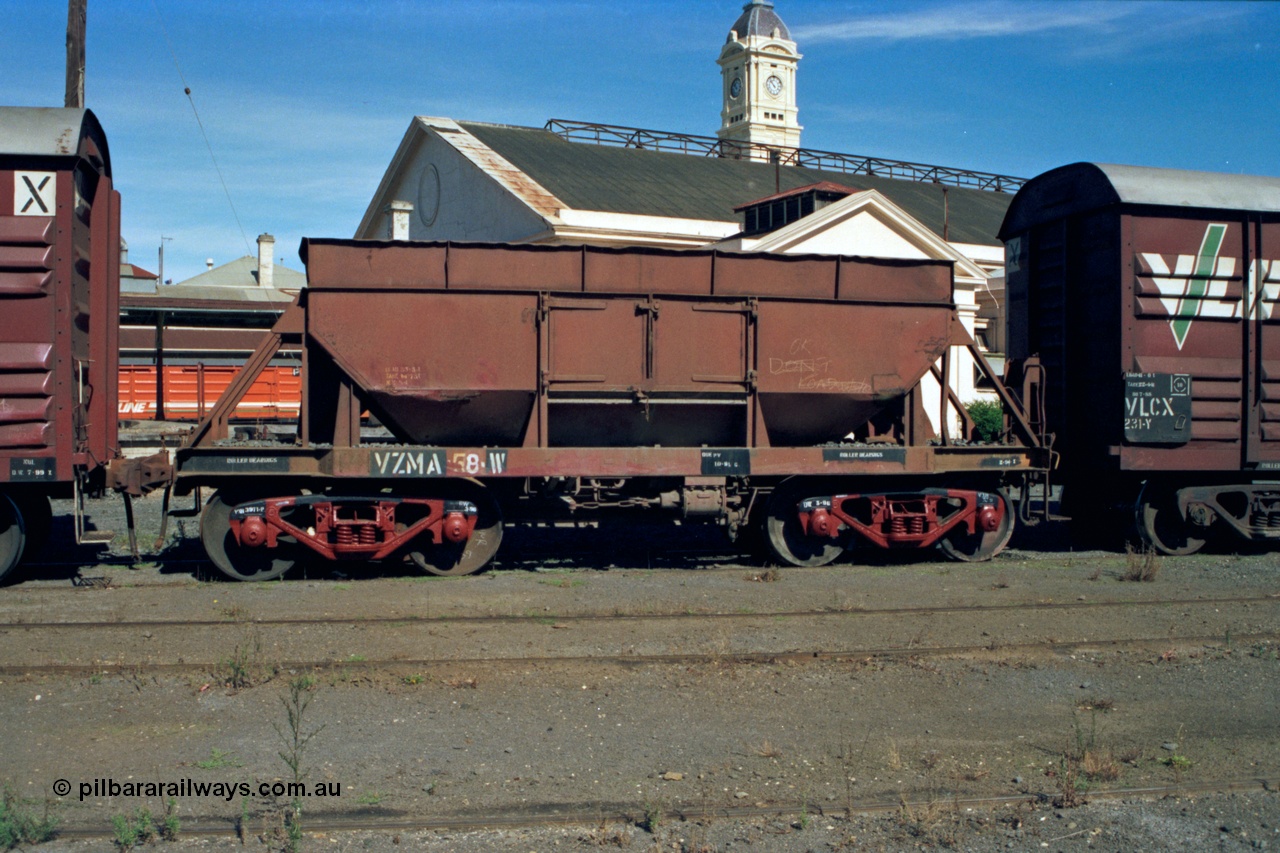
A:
[(208, 263), (124, 252), (266, 270), (398, 221)]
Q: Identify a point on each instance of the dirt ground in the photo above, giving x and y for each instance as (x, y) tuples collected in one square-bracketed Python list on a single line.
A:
[(937, 686)]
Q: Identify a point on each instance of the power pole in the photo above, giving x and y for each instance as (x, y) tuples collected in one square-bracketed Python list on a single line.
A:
[(77, 14)]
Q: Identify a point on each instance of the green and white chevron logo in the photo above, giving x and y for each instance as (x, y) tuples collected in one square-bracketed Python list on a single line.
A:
[(1196, 285)]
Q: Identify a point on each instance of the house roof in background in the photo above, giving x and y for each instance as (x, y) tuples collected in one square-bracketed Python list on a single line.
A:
[(135, 271), (236, 281)]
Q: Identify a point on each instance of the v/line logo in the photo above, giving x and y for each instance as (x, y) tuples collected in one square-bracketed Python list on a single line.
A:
[(1194, 286)]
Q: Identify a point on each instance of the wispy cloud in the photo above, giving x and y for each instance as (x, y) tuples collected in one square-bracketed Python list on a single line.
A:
[(833, 112), (964, 21)]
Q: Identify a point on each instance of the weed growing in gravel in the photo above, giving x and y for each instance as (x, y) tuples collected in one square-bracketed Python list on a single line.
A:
[(170, 825), (244, 668), (242, 821), (564, 583), (218, 759), (19, 825), (1179, 763), (1141, 566), (134, 678), (1087, 762), (130, 831), (295, 737), (1097, 704), (930, 759), (847, 764), (1100, 765), (1265, 651), (933, 822), (768, 750), (652, 819), (235, 612), (1070, 786), (894, 757), (125, 834)]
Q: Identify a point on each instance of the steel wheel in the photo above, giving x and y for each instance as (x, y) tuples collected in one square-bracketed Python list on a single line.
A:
[(979, 547), (1162, 527), (787, 540), (234, 560), (37, 520), (13, 535), (465, 558)]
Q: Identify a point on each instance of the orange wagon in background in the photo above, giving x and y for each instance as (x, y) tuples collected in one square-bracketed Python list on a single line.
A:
[(190, 392)]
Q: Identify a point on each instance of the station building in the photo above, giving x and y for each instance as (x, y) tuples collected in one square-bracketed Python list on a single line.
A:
[(752, 187)]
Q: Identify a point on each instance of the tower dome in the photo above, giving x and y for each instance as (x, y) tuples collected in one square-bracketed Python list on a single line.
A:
[(758, 64), (759, 19)]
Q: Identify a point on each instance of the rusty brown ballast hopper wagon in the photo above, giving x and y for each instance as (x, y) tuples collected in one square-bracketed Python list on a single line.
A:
[(799, 394)]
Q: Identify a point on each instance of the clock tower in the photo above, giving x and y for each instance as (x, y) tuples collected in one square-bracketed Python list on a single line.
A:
[(758, 76)]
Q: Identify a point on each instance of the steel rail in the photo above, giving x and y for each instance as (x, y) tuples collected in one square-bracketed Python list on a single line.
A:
[(582, 814), (856, 655), (826, 612)]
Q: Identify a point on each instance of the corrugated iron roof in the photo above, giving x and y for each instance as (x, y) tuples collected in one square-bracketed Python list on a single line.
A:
[(653, 183), (237, 280)]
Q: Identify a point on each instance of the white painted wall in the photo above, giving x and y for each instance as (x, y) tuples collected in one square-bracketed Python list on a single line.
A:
[(468, 206), (863, 234)]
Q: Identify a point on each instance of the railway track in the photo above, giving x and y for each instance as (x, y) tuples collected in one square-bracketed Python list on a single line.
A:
[(817, 613), (855, 655), (595, 814), (670, 637)]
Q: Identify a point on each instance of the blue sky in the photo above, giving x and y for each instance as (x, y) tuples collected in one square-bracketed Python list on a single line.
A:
[(305, 101)]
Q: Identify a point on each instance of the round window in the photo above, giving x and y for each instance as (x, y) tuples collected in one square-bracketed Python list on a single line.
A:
[(429, 195)]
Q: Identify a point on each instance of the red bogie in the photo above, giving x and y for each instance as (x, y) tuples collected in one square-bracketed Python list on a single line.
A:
[(352, 528), (913, 520)]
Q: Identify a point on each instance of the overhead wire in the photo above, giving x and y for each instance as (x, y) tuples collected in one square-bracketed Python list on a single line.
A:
[(187, 91)]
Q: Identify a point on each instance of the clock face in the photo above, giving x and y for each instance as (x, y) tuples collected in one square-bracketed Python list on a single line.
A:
[(774, 86), (735, 88)]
